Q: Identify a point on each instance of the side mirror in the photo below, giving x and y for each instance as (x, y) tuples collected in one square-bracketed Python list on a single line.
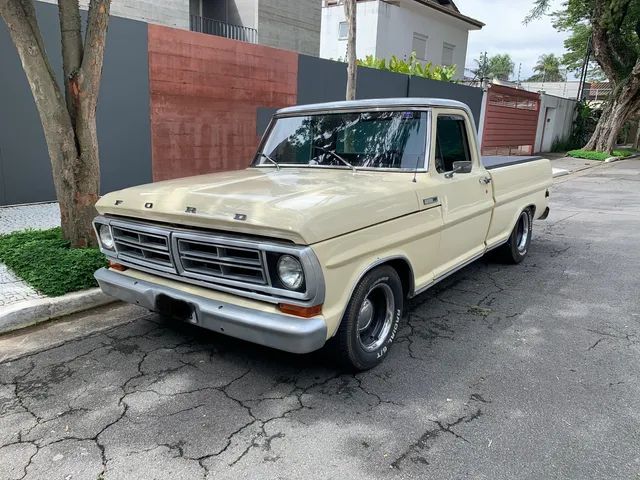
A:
[(459, 167)]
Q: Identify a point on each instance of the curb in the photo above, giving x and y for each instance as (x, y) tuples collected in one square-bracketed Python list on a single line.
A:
[(617, 159), (32, 312)]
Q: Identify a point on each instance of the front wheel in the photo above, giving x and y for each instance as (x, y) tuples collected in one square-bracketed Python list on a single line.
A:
[(517, 246), (371, 320)]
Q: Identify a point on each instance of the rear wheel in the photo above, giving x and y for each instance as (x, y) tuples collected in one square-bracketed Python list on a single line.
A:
[(370, 322), (517, 246)]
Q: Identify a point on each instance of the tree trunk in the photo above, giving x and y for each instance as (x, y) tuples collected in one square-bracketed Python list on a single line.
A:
[(622, 105), (69, 125), (350, 10)]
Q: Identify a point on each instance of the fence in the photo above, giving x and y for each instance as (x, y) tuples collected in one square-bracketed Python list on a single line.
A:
[(222, 29), (510, 122)]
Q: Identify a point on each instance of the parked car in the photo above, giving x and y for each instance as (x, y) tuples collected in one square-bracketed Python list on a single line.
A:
[(347, 209)]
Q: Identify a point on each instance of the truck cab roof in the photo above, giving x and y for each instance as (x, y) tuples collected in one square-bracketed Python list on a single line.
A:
[(374, 104)]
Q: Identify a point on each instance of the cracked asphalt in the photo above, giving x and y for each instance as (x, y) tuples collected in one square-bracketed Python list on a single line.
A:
[(500, 372)]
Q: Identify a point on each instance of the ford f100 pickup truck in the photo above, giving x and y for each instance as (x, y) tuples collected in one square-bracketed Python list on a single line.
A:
[(347, 209)]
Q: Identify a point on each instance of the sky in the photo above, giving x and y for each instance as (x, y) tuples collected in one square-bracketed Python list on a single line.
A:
[(505, 33)]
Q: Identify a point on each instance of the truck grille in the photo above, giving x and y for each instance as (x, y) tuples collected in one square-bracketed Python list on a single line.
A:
[(201, 258), (143, 248), (229, 263)]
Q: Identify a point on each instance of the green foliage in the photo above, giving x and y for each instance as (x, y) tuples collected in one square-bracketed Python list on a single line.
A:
[(547, 69), (619, 19), (498, 66), (593, 155), (411, 67), (43, 259)]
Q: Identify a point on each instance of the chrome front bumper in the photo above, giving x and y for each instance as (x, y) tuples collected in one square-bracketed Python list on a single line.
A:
[(284, 332)]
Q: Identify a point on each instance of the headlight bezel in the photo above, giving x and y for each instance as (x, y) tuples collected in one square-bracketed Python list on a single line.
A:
[(101, 229), (293, 263)]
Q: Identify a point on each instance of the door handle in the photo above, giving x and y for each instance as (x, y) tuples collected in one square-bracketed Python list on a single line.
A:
[(485, 180)]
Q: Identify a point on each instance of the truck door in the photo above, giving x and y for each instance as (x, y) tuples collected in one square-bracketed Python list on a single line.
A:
[(466, 197)]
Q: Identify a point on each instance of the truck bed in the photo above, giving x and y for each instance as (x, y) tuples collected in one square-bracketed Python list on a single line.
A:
[(496, 161)]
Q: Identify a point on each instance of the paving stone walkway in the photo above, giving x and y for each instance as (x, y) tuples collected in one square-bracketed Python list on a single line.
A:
[(39, 216)]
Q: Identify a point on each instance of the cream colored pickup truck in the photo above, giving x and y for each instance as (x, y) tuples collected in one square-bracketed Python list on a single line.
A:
[(347, 209)]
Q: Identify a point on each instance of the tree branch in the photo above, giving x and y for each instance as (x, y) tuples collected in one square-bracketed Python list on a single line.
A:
[(72, 50), (94, 44), (603, 50)]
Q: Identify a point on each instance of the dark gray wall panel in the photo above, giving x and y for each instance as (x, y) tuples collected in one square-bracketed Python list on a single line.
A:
[(423, 87), (122, 116), (373, 83), (321, 80)]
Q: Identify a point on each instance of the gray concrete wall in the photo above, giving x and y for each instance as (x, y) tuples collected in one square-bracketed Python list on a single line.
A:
[(290, 24), (173, 13), (123, 113)]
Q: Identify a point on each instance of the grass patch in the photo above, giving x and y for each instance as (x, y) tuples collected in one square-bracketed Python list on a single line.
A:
[(43, 259), (594, 155)]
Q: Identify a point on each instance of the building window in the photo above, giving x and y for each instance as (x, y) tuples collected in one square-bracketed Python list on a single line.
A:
[(343, 30), (447, 53), (419, 45)]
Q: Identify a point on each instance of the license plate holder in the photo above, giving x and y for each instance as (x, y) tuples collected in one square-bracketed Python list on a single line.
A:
[(178, 309)]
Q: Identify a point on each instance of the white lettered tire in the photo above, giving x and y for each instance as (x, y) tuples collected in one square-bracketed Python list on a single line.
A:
[(371, 320)]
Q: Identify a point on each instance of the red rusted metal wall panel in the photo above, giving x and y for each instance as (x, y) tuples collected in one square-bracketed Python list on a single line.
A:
[(510, 122), (205, 92)]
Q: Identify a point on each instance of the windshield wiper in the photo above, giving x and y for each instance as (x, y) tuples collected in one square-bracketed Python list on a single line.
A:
[(262, 154), (335, 155)]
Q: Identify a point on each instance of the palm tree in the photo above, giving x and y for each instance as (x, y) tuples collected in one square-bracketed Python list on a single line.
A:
[(500, 66), (547, 69)]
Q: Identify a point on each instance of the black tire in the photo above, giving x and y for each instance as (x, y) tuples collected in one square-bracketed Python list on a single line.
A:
[(517, 246), (361, 345)]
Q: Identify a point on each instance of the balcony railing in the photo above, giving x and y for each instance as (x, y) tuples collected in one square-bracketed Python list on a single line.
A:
[(222, 29)]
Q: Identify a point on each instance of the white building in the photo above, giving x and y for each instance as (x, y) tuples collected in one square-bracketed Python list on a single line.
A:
[(434, 29)]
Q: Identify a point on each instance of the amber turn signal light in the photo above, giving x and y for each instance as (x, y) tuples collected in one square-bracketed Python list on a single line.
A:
[(117, 266), (298, 311)]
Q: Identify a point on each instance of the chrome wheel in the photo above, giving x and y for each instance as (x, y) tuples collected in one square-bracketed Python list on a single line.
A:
[(523, 231), (375, 317)]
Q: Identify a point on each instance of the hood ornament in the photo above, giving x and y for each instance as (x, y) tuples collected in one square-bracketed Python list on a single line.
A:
[(240, 216), (190, 210)]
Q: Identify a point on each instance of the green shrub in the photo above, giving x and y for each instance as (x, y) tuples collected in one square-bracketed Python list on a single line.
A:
[(411, 67), (593, 155), (43, 259)]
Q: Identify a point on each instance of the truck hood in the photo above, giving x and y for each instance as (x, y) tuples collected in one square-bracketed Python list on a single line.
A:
[(304, 205)]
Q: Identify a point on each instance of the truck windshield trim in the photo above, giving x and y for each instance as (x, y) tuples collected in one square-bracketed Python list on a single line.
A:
[(374, 140)]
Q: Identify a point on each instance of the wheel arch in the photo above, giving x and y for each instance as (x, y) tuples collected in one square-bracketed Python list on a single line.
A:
[(400, 263)]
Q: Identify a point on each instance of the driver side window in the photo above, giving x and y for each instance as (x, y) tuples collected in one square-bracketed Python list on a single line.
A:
[(452, 144)]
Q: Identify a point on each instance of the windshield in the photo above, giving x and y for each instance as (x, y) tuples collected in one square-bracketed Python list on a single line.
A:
[(363, 139)]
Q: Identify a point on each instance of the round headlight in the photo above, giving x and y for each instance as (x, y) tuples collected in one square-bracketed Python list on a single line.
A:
[(105, 237), (290, 272)]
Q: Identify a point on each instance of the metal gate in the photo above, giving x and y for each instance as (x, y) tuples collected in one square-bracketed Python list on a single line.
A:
[(510, 121)]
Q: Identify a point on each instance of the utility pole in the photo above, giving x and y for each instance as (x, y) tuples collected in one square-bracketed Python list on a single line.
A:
[(585, 68), (350, 11)]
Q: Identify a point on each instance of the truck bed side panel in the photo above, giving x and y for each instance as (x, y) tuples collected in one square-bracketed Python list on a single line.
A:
[(516, 187)]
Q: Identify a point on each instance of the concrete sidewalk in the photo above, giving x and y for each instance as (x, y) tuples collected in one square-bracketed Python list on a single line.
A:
[(22, 306), (38, 216), (563, 165)]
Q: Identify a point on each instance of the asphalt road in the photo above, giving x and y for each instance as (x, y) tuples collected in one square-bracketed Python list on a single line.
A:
[(501, 372)]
